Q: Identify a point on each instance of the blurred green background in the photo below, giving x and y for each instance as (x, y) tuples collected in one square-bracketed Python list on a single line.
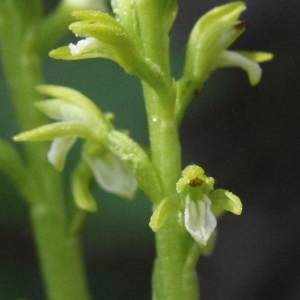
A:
[(246, 138)]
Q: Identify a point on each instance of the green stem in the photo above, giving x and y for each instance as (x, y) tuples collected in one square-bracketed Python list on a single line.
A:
[(57, 245), (172, 280), (59, 252)]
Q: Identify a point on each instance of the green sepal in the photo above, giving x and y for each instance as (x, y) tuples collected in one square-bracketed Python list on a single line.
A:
[(71, 96), (56, 130), (162, 212), (78, 116), (194, 183), (81, 187), (213, 33), (227, 201)]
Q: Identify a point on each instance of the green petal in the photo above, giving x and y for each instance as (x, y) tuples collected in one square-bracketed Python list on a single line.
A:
[(257, 56), (213, 33), (227, 200), (162, 212), (81, 188), (194, 176), (103, 27)]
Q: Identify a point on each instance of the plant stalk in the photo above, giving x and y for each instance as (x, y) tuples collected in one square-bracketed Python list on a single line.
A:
[(171, 279), (58, 248)]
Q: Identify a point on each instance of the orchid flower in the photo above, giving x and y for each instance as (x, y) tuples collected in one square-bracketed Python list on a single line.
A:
[(79, 117), (200, 203)]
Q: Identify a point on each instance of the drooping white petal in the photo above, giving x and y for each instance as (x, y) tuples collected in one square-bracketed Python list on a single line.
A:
[(59, 150), (235, 59), (199, 220), (113, 175)]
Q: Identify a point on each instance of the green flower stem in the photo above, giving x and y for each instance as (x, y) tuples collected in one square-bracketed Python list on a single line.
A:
[(171, 280), (170, 277), (59, 251), (58, 247)]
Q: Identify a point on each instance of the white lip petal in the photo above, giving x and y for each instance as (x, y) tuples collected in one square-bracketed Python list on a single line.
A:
[(234, 59), (85, 45), (59, 150), (199, 220), (113, 175)]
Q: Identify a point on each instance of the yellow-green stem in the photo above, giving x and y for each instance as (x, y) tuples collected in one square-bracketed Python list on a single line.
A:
[(171, 279), (58, 247)]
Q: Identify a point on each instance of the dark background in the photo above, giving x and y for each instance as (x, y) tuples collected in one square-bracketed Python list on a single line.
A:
[(246, 138)]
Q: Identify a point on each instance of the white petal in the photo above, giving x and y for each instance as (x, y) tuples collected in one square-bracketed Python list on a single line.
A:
[(59, 150), (85, 45), (199, 220), (113, 175), (235, 59)]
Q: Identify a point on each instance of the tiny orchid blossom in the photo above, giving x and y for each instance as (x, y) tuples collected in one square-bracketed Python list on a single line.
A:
[(200, 203), (79, 117), (207, 50), (197, 191), (104, 37)]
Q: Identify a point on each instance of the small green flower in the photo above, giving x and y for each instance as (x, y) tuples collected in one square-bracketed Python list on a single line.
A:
[(104, 37), (209, 39), (111, 157), (200, 203), (207, 50)]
